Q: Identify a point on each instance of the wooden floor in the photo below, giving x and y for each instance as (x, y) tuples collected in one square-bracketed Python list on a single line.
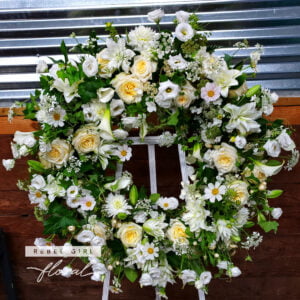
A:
[(274, 274)]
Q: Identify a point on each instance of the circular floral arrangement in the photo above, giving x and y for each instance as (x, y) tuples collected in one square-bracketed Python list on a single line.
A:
[(153, 81)]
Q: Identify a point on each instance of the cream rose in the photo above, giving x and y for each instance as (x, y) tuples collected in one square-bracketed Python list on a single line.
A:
[(130, 234), (176, 233), (143, 68), (86, 139), (58, 155), (186, 96), (241, 194), (128, 87), (225, 158)]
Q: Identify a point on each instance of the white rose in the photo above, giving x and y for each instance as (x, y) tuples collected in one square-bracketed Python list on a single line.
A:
[(66, 272), (177, 62), (58, 155), (156, 15), (130, 234), (276, 213), (24, 138), (225, 158), (86, 139), (105, 94), (240, 142), (286, 142), (41, 66), (241, 191), (273, 148), (182, 16), (128, 87), (90, 66), (143, 68), (116, 107), (176, 233), (8, 164)]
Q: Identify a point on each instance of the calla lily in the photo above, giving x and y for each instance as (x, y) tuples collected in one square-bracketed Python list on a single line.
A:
[(105, 94), (105, 126), (268, 170)]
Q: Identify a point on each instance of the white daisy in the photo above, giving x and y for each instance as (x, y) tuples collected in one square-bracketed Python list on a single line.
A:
[(36, 196), (210, 92), (150, 252), (73, 202), (87, 203), (116, 204), (184, 32), (167, 203), (214, 192), (56, 117), (124, 152)]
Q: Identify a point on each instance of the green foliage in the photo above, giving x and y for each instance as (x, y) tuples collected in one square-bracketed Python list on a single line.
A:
[(274, 194), (131, 274), (269, 225), (87, 90), (64, 51), (35, 166)]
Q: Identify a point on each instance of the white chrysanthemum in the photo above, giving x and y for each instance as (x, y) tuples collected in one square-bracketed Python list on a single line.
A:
[(87, 203), (214, 192), (184, 32), (90, 66), (124, 152), (56, 117), (150, 252), (116, 204), (225, 230), (177, 62), (167, 203), (142, 38)]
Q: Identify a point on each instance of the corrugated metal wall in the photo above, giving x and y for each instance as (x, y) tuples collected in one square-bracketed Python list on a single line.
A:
[(29, 28)]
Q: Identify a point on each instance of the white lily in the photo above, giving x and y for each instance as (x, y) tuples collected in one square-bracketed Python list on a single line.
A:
[(225, 79), (155, 227), (120, 183), (243, 118), (105, 126), (268, 170)]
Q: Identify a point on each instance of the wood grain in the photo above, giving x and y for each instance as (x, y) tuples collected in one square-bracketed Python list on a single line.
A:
[(273, 274)]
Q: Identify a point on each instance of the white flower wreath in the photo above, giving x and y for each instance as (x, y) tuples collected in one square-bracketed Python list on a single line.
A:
[(88, 106)]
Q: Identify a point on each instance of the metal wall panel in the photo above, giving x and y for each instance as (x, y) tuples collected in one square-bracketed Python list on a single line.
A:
[(29, 28)]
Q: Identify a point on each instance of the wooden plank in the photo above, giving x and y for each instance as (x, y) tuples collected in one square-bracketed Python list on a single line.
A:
[(18, 123)]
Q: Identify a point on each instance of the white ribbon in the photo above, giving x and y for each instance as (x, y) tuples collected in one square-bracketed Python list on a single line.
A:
[(152, 168), (105, 291), (201, 294)]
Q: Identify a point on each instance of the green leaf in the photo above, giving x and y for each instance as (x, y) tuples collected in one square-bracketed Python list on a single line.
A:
[(273, 163), (269, 225), (133, 195), (64, 50), (248, 258), (88, 90), (36, 166), (131, 274), (274, 194), (154, 197), (228, 60), (173, 119)]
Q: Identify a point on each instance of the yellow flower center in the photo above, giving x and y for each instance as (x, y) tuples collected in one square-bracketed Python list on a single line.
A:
[(179, 232), (118, 204), (184, 32), (88, 203), (141, 67), (38, 194), (123, 153), (150, 250), (131, 236), (224, 160), (182, 99), (88, 142), (166, 204), (54, 153), (56, 116), (210, 93), (168, 90), (129, 88), (48, 243), (215, 191)]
